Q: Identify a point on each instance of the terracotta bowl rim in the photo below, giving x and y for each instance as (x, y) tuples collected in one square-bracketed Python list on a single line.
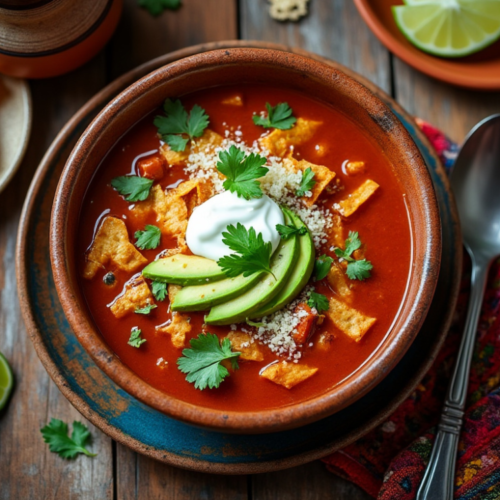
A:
[(374, 370)]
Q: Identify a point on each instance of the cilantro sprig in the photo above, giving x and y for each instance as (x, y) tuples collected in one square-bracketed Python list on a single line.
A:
[(177, 124), (156, 7), (356, 269), (307, 182), (322, 266), (133, 187), (252, 255), (146, 309), (149, 239), (135, 339), (159, 290), (203, 362), (55, 434), (318, 301), (279, 116), (241, 172), (288, 230)]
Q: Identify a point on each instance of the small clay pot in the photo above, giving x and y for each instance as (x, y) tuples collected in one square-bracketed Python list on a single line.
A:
[(259, 66), (44, 38)]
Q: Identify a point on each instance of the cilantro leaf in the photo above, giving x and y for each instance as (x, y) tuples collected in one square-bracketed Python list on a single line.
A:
[(322, 266), (55, 434), (133, 187), (135, 339), (177, 121), (254, 254), (159, 290), (307, 182), (146, 309), (242, 172), (149, 239), (279, 116), (287, 231), (318, 301), (156, 7), (356, 269), (203, 362), (359, 269)]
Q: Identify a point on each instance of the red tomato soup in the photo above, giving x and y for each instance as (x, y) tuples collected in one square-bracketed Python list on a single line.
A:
[(381, 222)]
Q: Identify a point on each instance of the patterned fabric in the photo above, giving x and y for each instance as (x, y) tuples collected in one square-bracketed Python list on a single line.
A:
[(390, 461)]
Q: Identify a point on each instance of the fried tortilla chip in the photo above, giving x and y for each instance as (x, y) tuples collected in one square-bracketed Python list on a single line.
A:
[(206, 144), (355, 167), (336, 231), (177, 329), (111, 245), (288, 374), (348, 206), (322, 175), (279, 142), (135, 296), (242, 342), (349, 320), (234, 100), (325, 341), (339, 282)]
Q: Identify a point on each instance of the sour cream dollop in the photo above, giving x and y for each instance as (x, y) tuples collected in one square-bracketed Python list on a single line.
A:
[(210, 219)]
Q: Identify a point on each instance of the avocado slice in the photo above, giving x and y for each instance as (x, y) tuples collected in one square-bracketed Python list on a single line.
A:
[(203, 297), (239, 308), (184, 270), (300, 275)]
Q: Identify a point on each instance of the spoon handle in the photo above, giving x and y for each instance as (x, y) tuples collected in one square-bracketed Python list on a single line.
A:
[(439, 478)]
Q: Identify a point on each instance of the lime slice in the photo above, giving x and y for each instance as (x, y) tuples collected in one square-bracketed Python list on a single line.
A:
[(449, 28), (6, 381)]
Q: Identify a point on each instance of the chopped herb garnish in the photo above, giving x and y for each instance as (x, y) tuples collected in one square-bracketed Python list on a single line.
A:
[(109, 279), (322, 266), (253, 254), (156, 7), (133, 187), (135, 339), (203, 362), (318, 301), (356, 269), (287, 231), (279, 116), (146, 309), (159, 289), (177, 128), (307, 182), (55, 434), (149, 239), (242, 172)]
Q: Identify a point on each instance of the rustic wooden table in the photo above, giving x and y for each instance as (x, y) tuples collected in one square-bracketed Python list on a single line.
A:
[(333, 29)]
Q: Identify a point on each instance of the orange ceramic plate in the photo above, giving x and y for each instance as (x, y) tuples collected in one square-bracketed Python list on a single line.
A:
[(479, 71)]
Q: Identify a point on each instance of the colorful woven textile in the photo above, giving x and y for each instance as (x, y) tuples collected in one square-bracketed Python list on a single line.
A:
[(389, 462)]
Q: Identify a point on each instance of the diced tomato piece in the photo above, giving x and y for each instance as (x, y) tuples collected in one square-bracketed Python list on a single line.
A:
[(307, 323), (152, 168)]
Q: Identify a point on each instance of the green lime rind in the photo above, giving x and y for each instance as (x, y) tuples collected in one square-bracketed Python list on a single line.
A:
[(6, 381), (474, 26)]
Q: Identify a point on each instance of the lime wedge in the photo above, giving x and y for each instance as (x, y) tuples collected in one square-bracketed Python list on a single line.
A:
[(6, 381), (449, 28)]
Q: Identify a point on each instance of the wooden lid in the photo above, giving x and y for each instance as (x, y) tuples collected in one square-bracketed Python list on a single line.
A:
[(38, 28)]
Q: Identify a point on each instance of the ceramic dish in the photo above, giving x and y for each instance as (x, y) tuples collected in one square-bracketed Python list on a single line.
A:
[(234, 67), (116, 413), (15, 125), (479, 71)]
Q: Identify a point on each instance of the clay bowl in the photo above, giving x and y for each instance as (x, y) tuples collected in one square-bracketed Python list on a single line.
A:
[(261, 66)]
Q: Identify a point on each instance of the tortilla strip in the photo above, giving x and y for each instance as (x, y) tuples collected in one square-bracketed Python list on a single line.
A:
[(355, 167), (136, 295), (234, 100), (357, 198), (180, 324), (206, 144), (349, 320), (339, 282), (111, 245), (336, 232), (242, 342), (288, 374), (279, 142), (322, 175)]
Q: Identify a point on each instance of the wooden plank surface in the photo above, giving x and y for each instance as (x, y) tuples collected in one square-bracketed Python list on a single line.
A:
[(334, 29)]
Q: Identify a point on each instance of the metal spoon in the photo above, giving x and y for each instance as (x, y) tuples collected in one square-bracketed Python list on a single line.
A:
[(475, 181)]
